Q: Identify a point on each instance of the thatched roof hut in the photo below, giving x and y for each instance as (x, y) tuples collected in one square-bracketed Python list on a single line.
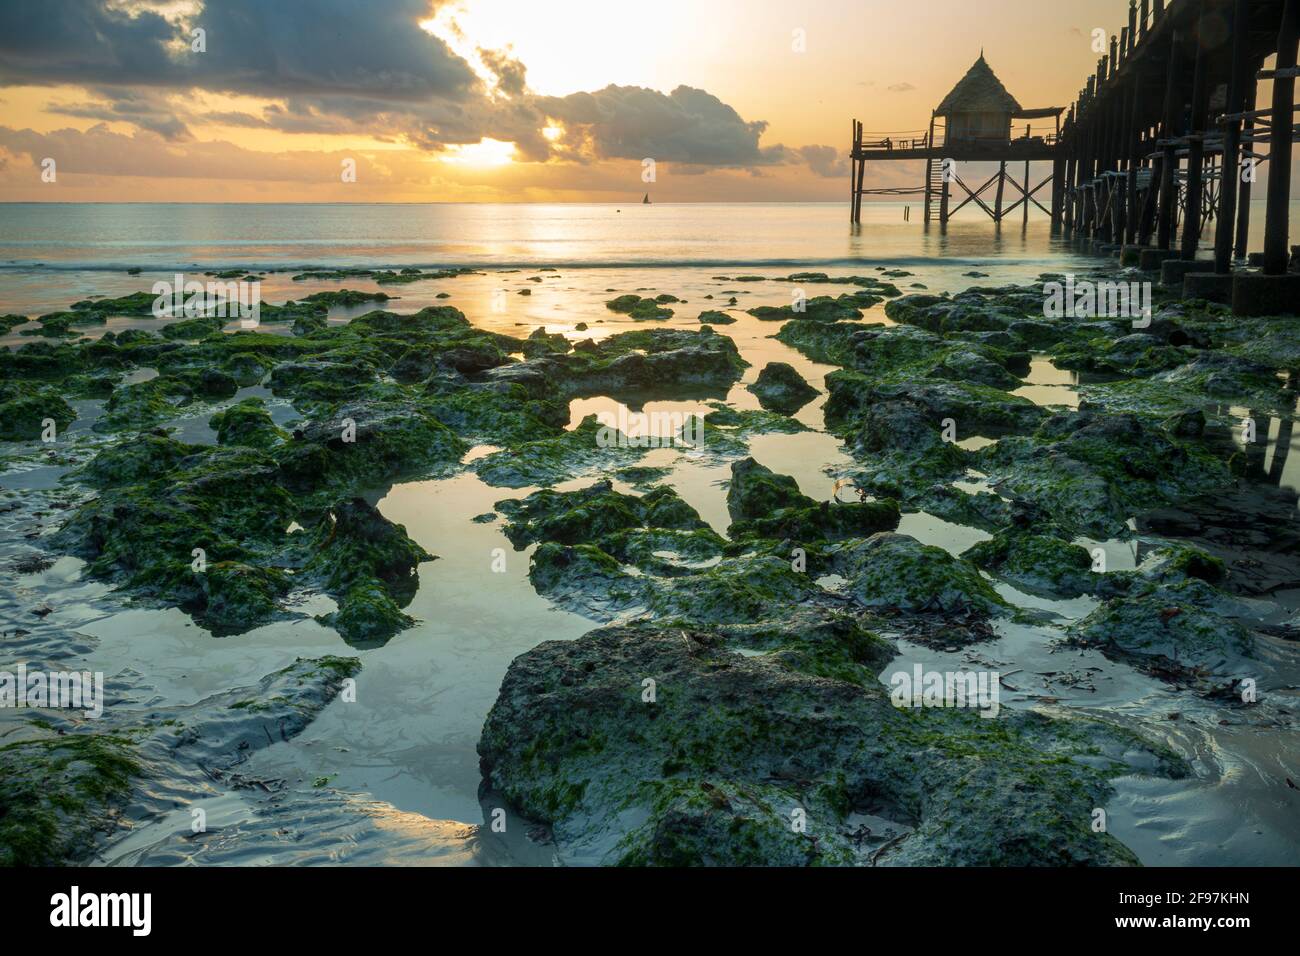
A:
[(979, 107)]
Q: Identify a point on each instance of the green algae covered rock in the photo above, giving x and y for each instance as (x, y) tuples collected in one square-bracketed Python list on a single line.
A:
[(236, 597), (247, 423), (1041, 563), (495, 414), (651, 745), (354, 541), (143, 459), (764, 504), (368, 564), (755, 491), (591, 446), (603, 553), (227, 503), (143, 405), (196, 328), (24, 418), (636, 307), (592, 514), (1091, 471), (781, 389), (55, 794), (974, 409), (897, 572), (367, 615), (1184, 628), (368, 443), (822, 308)]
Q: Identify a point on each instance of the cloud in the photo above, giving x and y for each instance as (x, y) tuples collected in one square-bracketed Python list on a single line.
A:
[(509, 71), (343, 67), (99, 151), (289, 47), (687, 126), (900, 87), (825, 160), (145, 109)]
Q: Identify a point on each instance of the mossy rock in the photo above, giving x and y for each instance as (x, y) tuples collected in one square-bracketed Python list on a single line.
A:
[(1038, 563), (247, 423), (652, 744), (896, 572), (781, 389), (24, 418)]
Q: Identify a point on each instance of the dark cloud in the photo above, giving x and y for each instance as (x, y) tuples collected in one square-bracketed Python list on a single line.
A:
[(145, 109), (288, 47), (686, 126), (510, 72)]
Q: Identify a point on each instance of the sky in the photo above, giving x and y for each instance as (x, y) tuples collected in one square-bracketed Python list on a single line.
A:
[(497, 100)]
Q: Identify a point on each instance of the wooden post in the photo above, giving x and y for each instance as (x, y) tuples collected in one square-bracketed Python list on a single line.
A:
[(1231, 175), (997, 202), (853, 172), (1169, 161), (943, 195), (1058, 191), (1243, 202), (1025, 218), (1279, 144), (1118, 154), (929, 170), (1134, 162), (1196, 144), (1067, 191)]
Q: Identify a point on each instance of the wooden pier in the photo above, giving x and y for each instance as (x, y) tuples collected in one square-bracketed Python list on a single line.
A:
[(974, 123), (1163, 141)]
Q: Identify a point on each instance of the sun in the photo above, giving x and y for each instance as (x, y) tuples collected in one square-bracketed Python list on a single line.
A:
[(485, 154)]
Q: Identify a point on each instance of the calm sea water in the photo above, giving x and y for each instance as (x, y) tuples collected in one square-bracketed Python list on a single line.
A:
[(169, 235), (89, 239)]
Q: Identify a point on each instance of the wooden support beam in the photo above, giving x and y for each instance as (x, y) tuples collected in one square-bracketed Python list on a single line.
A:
[(1058, 193), (943, 201), (1277, 215), (1002, 181), (1029, 195), (1237, 79), (1243, 205), (1025, 219), (974, 196), (1196, 146), (1169, 161)]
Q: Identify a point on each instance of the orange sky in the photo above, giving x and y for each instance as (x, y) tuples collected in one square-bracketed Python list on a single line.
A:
[(804, 69)]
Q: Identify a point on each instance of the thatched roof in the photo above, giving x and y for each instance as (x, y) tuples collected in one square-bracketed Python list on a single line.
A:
[(979, 91)]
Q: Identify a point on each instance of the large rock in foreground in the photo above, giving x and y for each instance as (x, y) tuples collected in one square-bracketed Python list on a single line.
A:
[(656, 746)]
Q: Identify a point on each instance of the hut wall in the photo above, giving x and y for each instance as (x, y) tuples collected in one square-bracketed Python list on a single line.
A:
[(985, 127)]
